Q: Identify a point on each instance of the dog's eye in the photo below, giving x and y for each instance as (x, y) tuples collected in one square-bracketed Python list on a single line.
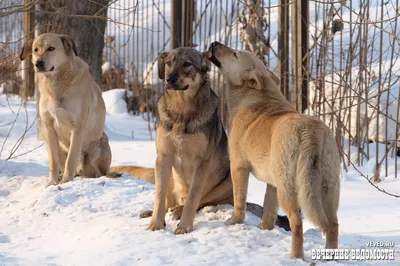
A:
[(235, 55), (169, 63), (187, 64), (36, 49), (51, 48)]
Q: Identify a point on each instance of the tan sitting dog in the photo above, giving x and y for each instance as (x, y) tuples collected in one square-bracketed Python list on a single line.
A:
[(71, 108), (295, 154)]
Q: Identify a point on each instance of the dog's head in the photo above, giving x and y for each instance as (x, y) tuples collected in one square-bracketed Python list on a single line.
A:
[(49, 51), (240, 67), (183, 68)]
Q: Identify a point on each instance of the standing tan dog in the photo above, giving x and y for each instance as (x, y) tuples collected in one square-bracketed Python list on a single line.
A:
[(71, 108), (295, 154), (191, 144)]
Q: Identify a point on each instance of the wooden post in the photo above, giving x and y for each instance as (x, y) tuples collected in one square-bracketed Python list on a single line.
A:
[(300, 55), (176, 24), (305, 56), (182, 23), (29, 30), (27, 66), (283, 46)]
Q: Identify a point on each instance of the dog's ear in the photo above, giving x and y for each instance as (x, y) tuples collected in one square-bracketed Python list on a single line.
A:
[(161, 65), (274, 78), (251, 78), (68, 43), (26, 50), (206, 62)]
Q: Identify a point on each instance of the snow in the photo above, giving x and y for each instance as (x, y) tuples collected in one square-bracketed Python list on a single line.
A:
[(105, 67), (96, 221), (115, 102)]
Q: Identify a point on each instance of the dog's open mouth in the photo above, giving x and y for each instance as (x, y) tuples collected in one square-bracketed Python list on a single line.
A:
[(45, 71), (185, 87)]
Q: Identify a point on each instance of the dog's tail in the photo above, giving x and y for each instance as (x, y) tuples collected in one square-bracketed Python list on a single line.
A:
[(309, 183), (144, 173), (281, 221)]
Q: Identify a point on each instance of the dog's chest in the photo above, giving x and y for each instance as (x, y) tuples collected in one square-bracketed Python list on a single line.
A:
[(178, 141), (188, 148), (62, 114)]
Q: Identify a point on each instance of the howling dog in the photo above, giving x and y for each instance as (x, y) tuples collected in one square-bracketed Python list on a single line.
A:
[(296, 155)]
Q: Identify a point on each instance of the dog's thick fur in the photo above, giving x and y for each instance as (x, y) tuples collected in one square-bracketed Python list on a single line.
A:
[(295, 154), (71, 108), (191, 144)]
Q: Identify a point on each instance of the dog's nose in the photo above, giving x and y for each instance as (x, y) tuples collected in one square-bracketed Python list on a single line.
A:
[(215, 44), (40, 64), (173, 78)]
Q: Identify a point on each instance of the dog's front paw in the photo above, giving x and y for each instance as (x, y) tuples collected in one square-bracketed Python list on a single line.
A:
[(183, 229), (146, 214), (52, 182), (235, 220), (177, 212), (66, 179), (267, 224), (155, 225)]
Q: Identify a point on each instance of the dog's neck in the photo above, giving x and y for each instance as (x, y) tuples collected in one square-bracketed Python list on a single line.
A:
[(268, 101), (59, 83)]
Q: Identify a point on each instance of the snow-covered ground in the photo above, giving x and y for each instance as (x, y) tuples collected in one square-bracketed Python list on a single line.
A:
[(96, 221)]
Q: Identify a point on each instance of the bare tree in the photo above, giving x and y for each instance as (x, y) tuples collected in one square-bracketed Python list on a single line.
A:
[(252, 31)]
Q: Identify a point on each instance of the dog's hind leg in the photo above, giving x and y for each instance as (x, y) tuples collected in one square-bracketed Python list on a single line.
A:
[(270, 208), (332, 231), (288, 202), (330, 202)]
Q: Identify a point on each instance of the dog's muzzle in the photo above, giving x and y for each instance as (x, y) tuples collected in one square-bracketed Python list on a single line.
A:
[(214, 59), (173, 84), (41, 66)]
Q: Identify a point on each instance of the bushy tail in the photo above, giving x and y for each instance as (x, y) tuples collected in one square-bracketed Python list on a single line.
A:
[(281, 221), (309, 183), (144, 173)]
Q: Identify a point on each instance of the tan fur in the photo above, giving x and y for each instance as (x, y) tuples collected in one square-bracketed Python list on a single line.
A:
[(295, 154), (71, 108)]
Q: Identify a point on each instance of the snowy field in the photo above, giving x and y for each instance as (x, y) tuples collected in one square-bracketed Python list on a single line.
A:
[(96, 221)]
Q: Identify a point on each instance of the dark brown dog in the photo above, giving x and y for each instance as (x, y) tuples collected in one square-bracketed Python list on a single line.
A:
[(191, 144)]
